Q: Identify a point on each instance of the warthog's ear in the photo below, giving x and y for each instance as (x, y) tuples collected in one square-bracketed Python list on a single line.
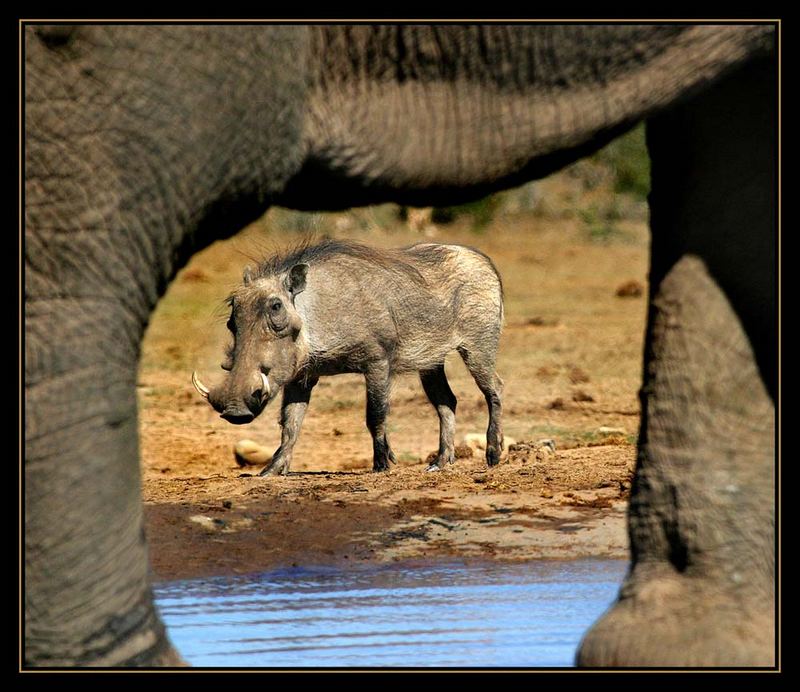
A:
[(296, 280), (247, 277)]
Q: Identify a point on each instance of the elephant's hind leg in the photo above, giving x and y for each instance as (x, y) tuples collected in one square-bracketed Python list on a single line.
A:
[(699, 592)]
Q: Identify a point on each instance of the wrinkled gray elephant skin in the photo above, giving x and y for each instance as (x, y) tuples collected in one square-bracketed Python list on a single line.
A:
[(145, 143)]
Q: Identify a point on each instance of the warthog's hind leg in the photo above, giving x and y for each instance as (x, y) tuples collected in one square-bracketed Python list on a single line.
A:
[(378, 378), (435, 384), (481, 367)]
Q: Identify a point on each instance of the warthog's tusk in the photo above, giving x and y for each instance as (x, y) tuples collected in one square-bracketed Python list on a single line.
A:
[(266, 390), (199, 386)]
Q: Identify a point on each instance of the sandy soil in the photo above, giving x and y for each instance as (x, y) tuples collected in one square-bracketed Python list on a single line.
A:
[(570, 357)]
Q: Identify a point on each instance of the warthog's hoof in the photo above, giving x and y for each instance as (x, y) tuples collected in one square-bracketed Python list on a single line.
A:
[(477, 443), (382, 462), (278, 467), (436, 461)]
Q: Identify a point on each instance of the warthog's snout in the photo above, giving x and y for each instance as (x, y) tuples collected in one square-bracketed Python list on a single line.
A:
[(237, 415), (240, 411)]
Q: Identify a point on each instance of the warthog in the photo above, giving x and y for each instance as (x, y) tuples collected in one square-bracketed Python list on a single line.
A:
[(340, 307)]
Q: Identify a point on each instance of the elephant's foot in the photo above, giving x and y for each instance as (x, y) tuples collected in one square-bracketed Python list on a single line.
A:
[(675, 620), (169, 658)]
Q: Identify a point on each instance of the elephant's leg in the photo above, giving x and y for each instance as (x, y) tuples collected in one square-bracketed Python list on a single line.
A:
[(435, 384), (700, 591), (378, 378), (480, 364), (296, 396), (87, 598)]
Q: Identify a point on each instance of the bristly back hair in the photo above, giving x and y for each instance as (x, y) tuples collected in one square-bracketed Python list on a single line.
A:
[(310, 251)]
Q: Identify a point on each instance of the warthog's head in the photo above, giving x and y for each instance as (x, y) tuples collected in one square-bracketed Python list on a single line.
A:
[(266, 353)]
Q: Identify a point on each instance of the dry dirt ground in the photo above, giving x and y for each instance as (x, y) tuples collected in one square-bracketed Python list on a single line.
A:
[(571, 360)]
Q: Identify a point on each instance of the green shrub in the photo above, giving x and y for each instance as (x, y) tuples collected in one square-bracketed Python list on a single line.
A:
[(627, 157), (481, 211)]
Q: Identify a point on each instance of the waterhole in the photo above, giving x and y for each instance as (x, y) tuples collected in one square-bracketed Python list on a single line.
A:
[(442, 615)]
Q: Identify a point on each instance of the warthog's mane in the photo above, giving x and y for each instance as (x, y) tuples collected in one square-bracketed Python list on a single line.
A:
[(392, 260)]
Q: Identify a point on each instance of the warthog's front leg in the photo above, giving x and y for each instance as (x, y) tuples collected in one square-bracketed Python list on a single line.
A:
[(296, 396), (378, 378)]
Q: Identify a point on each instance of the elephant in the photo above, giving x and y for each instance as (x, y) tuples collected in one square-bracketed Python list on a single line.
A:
[(143, 143)]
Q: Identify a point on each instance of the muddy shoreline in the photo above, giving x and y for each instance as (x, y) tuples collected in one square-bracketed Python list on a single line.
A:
[(570, 504)]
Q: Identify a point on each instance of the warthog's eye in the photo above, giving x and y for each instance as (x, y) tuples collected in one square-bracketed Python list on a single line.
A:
[(231, 324), (227, 364), (277, 314)]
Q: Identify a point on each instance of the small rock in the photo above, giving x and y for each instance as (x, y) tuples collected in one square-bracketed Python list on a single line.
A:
[(249, 453), (463, 451), (577, 376), (605, 430), (547, 444), (546, 493), (630, 289), (546, 372), (580, 395), (474, 441), (541, 322), (207, 522)]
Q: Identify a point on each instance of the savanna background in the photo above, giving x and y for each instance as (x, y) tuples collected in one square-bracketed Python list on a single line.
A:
[(572, 252)]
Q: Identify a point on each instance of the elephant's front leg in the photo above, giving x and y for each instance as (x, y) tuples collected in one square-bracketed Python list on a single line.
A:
[(700, 591), (378, 378), (296, 396)]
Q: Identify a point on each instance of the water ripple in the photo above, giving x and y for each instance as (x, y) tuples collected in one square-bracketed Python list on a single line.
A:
[(451, 615)]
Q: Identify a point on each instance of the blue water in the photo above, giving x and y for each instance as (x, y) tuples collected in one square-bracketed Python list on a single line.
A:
[(445, 615)]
